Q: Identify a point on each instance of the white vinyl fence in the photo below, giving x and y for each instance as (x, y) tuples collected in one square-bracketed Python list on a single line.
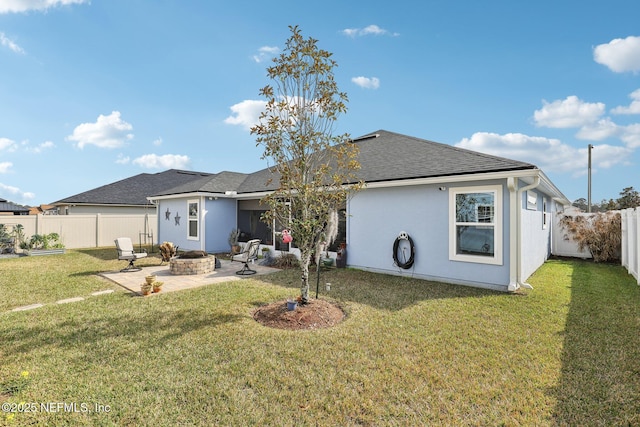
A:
[(90, 230), (563, 245), (562, 242), (631, 241)]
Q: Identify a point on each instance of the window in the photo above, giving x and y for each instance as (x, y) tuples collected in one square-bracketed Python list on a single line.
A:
[(544, 213), (192, 229), (475, 224), (532, 200)]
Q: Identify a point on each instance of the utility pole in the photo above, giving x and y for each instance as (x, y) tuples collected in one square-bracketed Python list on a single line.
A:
[(589, 179)]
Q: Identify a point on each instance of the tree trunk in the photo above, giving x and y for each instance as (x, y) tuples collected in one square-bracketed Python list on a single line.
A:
[(305, 260)]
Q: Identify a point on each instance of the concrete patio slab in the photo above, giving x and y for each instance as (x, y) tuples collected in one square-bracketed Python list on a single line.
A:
[(132, 280)]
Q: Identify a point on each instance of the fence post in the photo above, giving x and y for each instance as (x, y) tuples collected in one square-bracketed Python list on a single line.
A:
[(98, 225), (636, 242), (624, 223)]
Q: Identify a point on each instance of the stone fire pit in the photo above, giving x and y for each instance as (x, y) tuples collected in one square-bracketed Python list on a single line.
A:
[(182, 265)]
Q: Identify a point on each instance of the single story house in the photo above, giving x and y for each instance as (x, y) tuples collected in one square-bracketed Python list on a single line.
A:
[(127, 196), (428, 210), (9, 208)]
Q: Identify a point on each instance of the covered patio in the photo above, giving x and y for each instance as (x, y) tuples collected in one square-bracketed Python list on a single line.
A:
[(227, 272)]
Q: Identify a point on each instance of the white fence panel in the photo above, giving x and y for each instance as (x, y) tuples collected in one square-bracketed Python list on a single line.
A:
[(562, 242), (139, 229), (88, 231), (631, 241)]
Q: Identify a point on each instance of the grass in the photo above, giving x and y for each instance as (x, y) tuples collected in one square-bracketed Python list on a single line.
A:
[(410, 352)]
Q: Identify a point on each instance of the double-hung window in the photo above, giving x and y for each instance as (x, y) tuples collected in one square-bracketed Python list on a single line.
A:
[(475, 224), (193, 220)]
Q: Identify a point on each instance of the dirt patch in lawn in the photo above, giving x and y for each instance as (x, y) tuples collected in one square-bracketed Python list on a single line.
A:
[(315, 314)]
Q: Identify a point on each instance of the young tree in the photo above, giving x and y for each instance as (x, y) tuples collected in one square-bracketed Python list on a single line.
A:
[(316, 170)]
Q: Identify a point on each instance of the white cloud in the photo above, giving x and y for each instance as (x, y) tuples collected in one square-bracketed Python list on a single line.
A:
[(15, 191), (9, 189), (123, 160), (8, 6), (633, 108), (40, 147), (567, 113), (8, 144), (246, 113), (5, 166), (366, 82), (7, 42), (265, 53), (619, 55), (166, 161), (599, 131), (631, 135), (368, 30), (548, 154), (157, 142), (107, 132)]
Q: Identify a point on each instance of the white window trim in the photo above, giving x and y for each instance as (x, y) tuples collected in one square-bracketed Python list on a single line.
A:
[(496, 259), (545, 218), (197, 220)]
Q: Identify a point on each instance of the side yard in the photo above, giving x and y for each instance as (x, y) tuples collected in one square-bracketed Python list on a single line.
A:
[(409, 351)]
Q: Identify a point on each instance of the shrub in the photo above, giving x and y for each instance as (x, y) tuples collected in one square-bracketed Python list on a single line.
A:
[(601, 233), (285, 261), (43, 241)]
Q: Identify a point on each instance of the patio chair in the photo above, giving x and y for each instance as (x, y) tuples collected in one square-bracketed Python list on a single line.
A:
[(126, 253), (249, 254)]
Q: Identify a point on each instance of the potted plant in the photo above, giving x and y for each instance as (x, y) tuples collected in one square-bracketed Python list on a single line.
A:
[(157, 286), (150, 279), (265, 252), (145, 288)]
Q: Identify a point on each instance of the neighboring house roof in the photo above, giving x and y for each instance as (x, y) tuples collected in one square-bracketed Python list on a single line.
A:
[(8, 207), (43, 209), (134, 190)]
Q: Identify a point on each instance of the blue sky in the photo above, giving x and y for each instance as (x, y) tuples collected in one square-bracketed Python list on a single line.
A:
[(92, 92)]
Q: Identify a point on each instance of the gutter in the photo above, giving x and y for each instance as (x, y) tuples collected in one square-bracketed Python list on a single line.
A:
[(515, 231)]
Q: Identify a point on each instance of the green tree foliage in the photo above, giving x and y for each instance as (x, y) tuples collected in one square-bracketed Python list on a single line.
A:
[(296, 130), (630, 198)]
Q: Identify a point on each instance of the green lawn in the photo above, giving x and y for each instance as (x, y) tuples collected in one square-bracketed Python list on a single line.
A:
[(410, 352)]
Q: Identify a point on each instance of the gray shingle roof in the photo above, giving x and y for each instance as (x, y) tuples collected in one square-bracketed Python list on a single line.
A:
[(215, 183), (134, 190), (384, 156), (388, 156), (6, 206)]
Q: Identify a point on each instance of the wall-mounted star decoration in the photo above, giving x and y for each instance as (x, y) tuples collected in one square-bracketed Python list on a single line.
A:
[(167, 214), (177, 218)]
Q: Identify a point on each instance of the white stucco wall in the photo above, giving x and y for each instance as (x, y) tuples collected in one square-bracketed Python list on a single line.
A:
[(377, 216)]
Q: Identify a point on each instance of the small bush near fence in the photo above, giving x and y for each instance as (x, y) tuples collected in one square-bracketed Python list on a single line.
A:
[(601, 233)]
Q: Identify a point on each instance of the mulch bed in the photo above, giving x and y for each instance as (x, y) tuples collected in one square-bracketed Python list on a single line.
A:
[(315, 314)]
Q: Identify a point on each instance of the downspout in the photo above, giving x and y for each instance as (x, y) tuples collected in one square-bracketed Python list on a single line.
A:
[(202, 223), (515, 238)]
